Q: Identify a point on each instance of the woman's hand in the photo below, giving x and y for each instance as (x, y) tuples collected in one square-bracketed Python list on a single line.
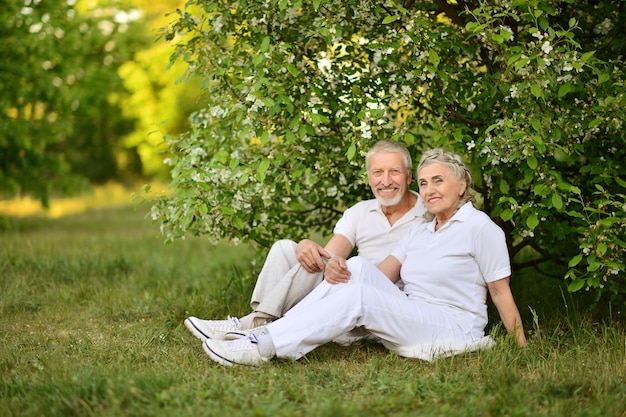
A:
[(337, 271)]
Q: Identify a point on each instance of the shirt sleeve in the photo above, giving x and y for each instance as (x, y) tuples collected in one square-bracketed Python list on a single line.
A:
[(401, 249), (492, 253), (347, 224)]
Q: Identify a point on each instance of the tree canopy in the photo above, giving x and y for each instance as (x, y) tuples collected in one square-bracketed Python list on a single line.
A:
[(530, 92)]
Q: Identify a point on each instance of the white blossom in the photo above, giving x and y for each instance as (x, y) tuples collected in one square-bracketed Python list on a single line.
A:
[(546, 47), (198, 152), (366, 130), (604, 28)]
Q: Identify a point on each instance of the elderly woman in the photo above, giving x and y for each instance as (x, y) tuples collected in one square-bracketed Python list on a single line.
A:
[(447, 265)]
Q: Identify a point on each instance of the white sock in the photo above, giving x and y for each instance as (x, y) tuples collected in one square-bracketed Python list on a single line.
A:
[(265, 344)]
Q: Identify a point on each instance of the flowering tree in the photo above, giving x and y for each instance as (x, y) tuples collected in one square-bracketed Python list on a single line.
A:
[(299, 90)]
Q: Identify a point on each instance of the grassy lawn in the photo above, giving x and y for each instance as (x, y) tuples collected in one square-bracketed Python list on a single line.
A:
[(91, 311)]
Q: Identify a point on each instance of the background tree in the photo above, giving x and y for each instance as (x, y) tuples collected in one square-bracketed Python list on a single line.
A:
[(156, 100), (59, 72), (298, 91), (69, 113)]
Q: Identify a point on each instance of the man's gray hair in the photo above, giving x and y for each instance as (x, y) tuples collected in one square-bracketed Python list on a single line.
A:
[(389, 146)]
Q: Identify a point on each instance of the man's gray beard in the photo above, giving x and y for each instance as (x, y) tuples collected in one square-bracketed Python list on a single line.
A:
[(388, 203)]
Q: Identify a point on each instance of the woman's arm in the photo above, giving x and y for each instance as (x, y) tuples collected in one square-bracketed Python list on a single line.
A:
[(502, 297), (390, 266)]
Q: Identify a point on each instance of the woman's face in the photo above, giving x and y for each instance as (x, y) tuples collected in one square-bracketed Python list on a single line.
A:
[(440, 190)]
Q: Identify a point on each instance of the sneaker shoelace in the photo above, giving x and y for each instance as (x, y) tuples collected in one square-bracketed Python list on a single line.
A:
[(232, 323), (247, 342)]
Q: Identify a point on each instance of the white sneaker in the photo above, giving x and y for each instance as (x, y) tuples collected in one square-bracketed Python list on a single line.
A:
[(243, 351), (214, 329)]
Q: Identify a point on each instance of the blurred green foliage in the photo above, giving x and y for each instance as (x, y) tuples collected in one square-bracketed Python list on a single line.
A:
[(83, 89)]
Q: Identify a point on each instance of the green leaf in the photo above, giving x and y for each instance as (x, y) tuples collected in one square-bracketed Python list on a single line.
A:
[(351, 152), (532, 163), (504, 187), (532, 221), (536, 90), (621, 182), (564, 89), (609, 221), (238, 223), (318, 119), (576, 285), (539, 189), (594, 266), (536, 124), (587, 56), (269, 102), (595, 122), (263, 166), (603, 77), (293, 70), (602, 248), (265, 44), (433, 57), (390, 19), (507, 214), (258, 59), (575, 260), (557, 201)]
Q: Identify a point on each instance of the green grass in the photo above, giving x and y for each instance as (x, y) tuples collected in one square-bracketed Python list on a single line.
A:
[(91, 311)]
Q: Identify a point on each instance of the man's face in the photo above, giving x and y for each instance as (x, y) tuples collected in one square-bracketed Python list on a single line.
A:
[(389, 177)]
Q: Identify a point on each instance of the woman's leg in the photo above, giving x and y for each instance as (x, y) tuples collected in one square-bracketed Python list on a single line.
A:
[(369, 300)]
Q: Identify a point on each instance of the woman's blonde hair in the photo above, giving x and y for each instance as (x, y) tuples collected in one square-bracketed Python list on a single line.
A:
[(456, 165)]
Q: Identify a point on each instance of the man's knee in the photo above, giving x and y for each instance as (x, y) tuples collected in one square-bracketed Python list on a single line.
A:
[(284, 245), (283, 249)]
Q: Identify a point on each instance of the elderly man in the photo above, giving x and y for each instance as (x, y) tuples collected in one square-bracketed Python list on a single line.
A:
[(293, 270)]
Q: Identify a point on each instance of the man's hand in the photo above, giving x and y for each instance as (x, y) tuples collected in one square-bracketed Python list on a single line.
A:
[(336, 271), (311, 255)]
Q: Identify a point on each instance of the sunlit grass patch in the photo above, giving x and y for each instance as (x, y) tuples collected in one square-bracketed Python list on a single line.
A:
[(97, 197)]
